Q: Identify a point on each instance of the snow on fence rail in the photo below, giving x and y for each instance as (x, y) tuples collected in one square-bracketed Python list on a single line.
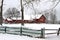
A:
[(27, 32), (31, 32), (2, 29), (51, 30)]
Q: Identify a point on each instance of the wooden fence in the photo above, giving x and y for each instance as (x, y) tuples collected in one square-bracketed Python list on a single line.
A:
[(22, 31), (27, 32)]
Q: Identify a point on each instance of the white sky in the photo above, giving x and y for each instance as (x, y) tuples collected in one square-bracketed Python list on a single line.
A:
[(58, 11)]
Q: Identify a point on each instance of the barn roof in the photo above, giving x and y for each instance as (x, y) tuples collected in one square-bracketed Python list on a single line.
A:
[(38, 16)]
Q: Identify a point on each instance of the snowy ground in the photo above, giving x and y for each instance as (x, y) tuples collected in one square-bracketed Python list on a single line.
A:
[(35, 26), (18, 37)]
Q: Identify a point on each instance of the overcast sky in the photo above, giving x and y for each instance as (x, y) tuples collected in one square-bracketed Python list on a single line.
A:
[(15, 3), (58, 11)]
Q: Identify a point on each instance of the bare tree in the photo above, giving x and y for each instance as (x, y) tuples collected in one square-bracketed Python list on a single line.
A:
[(15, 13), (53, 17), (12, 12), (30, 4)]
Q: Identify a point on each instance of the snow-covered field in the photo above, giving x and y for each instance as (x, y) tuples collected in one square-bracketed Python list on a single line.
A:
[(18, 37), (52, 37), (35, 26)]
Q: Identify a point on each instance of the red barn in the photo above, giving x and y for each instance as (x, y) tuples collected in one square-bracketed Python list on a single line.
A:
[(42, 19)]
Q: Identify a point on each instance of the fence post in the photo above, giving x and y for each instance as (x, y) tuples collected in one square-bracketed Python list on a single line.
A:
[(58, 32), (5, 29), (21, 31), (43, 33)]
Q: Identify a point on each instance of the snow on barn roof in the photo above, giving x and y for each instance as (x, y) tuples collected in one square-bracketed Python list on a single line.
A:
[(30, 17), (38, 16)]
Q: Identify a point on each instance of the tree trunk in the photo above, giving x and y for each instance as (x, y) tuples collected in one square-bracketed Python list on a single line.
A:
[(1, 19), (22, 11)]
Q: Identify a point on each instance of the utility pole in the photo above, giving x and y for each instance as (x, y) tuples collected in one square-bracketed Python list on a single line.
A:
[(22, 11), (1, 19)]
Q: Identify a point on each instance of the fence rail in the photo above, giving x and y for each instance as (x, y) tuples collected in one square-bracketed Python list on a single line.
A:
[(50, 33), (26, 31), (51, 29)]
